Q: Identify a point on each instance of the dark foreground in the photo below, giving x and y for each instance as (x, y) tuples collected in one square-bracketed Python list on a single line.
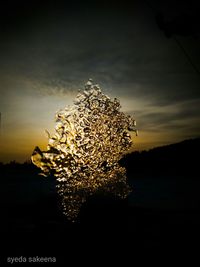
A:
[(160, 218)]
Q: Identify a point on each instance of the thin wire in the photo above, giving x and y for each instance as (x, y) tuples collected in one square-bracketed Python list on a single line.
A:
[(186, 55), (177, 41)]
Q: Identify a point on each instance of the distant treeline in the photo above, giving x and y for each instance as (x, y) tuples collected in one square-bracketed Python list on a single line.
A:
[(178, 158), (14, 167)]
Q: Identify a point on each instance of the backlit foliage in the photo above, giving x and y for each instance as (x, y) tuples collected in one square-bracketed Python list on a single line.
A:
[(89, 140)]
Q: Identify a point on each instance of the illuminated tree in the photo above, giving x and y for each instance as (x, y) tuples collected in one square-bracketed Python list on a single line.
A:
[(90, 138)]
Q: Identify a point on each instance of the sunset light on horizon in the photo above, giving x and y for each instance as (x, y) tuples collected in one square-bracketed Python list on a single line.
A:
[(47, 57)]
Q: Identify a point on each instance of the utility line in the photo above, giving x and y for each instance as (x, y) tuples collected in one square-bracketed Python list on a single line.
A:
[(186, 55), (177, 41)]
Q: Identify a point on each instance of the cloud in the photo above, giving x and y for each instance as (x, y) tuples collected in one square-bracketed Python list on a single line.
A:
[(126, 53), (47, 60), (181, 119)]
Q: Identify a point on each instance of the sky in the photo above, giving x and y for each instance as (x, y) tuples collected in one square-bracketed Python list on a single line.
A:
[(49, 50)]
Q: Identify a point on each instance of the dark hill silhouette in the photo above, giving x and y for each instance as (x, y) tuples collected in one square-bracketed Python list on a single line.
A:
[(179, 158), (162, 213)]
